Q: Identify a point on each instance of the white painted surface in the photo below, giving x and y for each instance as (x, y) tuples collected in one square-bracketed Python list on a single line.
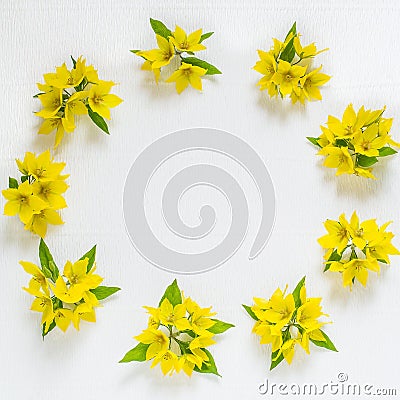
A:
[(363, 59)]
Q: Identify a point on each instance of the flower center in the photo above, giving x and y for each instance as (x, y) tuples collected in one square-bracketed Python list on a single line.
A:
[(98, 99), (288, 77)]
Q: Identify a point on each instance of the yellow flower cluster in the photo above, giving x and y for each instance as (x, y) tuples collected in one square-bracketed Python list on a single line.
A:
[(67, 93), (39, 195), (286, 320), (66, 298), (173, 45), (288, 71), (355, 143), (354, 248), (177, 336)]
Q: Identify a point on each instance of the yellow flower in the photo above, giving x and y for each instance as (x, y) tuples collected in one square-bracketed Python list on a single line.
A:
[(159, 57), (187, 362), (380, 244), (311, 82), (369, 142), (51, 192), (167, 360), (267, 67), (349, 125), (58, 123), (63, 318), (338, 157), (69, 295), (186, 74), (338, 234), (288, 350), (199, 317), (200, 342), (43, 304), (78, 276), (39, 220), (21, 201), (147, 66), (184, 43), (44, 169), (279, 309), (75, 106), (38, 280), (287, 76), (51, 102), (358, 232), (307, 51), (173, 316), (23, 165), (91, 74), (157, 340), (100, 99), (298, 95), (308, 314), (269, 334), (355, 269), (365, 172), (83, 312), (63, 78)]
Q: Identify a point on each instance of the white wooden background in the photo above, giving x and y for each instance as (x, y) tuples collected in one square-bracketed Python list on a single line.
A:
[(364, 62)]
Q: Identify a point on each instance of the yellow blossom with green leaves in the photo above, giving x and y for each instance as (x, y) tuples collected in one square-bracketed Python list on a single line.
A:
[(357, 141), (67, 93), (287, 69), (287, 320), (178, 335), (355, 248), (38, 198), (68, 298), (181, 46)]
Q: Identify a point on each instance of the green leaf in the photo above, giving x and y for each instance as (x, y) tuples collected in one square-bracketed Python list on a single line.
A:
[(275, 363), (205, 36), (91, 255), (335, 256), (51, 327), (327, 344), (73, 61), (341, 143), (134, 51), (365, 161), (102, 292), (386, 151), (296, 292), (160, 29), (250, 312), (173, 294), (211, 69), (49, 267), (12, 183), (219, 326), (208, 367), (314, 141), (24, 178), (288, 52), (293, 30), (190, 333), (138, 353), (98, 120), (57, 303)]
